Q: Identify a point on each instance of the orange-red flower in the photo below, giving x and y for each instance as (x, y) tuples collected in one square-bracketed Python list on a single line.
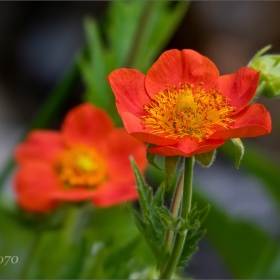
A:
[(184, 107), (88, 159)]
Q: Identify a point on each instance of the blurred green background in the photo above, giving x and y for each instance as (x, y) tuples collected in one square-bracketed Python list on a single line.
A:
[(55, 55)]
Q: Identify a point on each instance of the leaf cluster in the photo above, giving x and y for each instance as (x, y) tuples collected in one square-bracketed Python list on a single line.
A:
[(149, 223), (155, 220)]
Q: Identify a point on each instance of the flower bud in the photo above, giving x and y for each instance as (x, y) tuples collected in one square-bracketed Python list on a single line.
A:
[(269, 65)]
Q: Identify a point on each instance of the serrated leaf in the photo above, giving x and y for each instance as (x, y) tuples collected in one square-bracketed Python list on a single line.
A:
[(190, 247), (170, 164), (239, 148), (206, 159), (137, 219), (151, 157), (164, 215), (145, 192), (150, 224)]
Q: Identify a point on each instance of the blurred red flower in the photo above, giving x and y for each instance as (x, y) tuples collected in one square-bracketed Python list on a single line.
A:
[(88, 159), (184, 107)]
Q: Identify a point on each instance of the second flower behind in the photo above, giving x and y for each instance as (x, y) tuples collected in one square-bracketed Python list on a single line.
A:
[(88, 159)]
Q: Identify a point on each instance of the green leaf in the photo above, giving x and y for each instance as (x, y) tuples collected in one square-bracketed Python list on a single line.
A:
[(239, 148), (137, 220), (195, 219), (168, 221), (95, 71), (170, 164), (160, 15), (144, 191), (149, 224), (206, 159), (190, 246), (151, 157), (122, 25)]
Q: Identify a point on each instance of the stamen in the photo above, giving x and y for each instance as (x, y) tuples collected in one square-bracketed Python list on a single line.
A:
[(184, 111), (81, 166)]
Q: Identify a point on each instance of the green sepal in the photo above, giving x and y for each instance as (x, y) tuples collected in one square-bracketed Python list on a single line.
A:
[(206, 159), (151, 157), (239, 148), (170, 164)]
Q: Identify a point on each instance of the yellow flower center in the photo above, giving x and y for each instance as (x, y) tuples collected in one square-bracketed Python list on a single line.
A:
[(186, 111), (81, 166)]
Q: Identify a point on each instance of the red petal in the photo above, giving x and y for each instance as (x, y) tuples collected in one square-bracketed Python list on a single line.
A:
[(188, 147), (42, 145), (239, 87), (119, 147), (73, 194), (112, 193), (134, 127), (86, 124), (129, 89), (174, 67), (34, 184), (253, 121)]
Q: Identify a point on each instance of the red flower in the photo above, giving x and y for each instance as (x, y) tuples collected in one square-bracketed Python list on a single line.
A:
[(184, 107), (88, 159)]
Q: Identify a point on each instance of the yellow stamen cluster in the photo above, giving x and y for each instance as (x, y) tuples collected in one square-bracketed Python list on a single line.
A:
[(186, 111), (81, 166)]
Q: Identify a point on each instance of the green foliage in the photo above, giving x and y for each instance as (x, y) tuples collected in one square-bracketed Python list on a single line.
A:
[(194, 234), (149, 224), (239, 148), (190, 246), (206, 159), (155, 220), (130, 36), (88, 244), (180, 226)]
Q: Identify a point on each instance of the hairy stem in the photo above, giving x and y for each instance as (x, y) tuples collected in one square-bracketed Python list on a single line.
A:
[(174, 209), (179, 241)]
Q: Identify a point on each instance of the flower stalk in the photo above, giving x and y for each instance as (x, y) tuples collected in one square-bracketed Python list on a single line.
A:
[(175, 208), (186, 199)]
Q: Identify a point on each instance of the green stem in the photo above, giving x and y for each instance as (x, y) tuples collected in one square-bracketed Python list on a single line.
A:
[(174, 209), (172, 261)]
